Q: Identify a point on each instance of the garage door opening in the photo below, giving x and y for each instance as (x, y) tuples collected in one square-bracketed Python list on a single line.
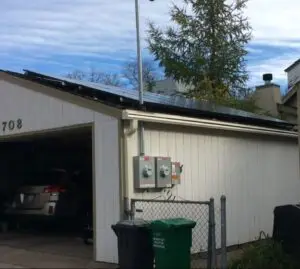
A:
[(46, 189)]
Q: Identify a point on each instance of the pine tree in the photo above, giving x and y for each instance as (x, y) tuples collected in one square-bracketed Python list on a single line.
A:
[(205, 49)]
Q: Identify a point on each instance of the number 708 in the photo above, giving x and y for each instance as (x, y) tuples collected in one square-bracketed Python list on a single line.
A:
[(12, 125)]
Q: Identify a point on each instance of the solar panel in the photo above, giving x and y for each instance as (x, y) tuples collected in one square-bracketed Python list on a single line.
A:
[(179, 101), (131, 94), (164, 100)]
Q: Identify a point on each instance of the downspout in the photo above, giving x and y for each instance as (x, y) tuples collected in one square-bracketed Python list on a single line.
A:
[(133, 127)]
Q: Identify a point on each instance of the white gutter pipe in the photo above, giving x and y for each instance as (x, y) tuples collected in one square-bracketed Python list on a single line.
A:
[(133, 126), (203, 123)]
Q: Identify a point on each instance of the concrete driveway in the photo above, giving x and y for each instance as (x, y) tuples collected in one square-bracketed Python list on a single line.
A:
[(23, 250)]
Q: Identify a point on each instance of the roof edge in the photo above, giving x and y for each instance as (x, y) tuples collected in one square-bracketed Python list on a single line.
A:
[(292, 65), (267, 85), (289, 94)]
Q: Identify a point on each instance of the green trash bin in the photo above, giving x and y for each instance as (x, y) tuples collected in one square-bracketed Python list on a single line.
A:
[(172, 241)]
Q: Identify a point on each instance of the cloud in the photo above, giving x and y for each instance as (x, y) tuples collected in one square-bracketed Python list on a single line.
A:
[(274, 65), (78, 26), (274, 20), (61, 33)]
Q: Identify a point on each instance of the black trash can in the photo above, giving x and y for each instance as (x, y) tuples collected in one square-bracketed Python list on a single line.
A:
[(286, 228), (134, 244)]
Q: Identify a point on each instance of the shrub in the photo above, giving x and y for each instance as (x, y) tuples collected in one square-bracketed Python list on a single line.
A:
[(265, 254)]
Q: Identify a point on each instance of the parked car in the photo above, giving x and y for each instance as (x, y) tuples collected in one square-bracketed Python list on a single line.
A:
[(47, 195)]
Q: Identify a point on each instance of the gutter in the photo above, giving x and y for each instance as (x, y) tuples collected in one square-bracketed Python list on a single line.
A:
[(203, 123)]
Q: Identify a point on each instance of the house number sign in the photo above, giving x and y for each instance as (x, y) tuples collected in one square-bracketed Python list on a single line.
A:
[(12, 125)]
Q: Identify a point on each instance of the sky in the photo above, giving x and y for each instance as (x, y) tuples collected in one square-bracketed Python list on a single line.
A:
[(59, 36)]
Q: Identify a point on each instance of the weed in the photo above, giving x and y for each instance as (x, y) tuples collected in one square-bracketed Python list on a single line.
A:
[(265, 254)]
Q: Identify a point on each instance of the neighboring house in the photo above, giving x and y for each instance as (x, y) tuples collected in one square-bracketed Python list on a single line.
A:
[(169, 87), (252, 159), (293, 73), (269, 99), (268, 96), (288, 107)]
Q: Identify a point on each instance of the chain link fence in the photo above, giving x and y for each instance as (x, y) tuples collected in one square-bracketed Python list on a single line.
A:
[(202, 212)]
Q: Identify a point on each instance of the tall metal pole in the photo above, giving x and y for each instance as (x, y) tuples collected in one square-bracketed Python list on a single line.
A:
[(140, 75), (139, 52)]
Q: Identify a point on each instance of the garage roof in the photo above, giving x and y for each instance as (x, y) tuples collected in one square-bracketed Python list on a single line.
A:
[(125, 98)]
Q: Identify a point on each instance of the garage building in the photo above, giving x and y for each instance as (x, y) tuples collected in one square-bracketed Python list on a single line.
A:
[(251, 159)]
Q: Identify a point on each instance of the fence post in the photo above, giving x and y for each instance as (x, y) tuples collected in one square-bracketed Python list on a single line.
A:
[(211, 264), (223, 233), (132, 209), (213, 235)]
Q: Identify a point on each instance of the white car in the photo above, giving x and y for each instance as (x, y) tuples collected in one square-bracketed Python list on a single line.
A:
[(50, 194)]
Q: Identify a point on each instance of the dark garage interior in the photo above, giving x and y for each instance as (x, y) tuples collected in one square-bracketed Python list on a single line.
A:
[(46, 185)]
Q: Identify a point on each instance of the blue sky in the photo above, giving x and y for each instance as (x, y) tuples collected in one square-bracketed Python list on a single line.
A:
[(59, 36)]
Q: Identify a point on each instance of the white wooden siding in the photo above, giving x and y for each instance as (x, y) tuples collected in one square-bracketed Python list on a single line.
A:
[(106, 188), (256, 173), (293, 75), (40, 112)]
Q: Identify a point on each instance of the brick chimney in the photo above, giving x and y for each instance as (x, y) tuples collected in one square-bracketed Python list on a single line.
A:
[(267, 96)]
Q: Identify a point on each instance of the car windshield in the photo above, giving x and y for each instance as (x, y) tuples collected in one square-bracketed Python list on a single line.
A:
[(52, 177)]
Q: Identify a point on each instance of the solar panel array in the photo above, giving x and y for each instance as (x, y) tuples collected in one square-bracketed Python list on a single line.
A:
[(168, 101)]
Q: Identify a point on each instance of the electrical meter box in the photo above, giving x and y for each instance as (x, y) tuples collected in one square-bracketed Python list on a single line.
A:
[(176, 173), (144, 172), (163, 172)]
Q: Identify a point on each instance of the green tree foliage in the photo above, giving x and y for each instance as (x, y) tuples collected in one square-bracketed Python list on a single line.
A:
[(205, 49)]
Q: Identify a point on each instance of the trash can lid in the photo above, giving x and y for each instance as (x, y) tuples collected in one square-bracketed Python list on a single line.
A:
[(131, 224), (175, 223)]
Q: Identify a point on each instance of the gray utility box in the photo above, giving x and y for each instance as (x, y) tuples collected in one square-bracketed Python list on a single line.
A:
[(163, 170), (144, 172), (176, 173)]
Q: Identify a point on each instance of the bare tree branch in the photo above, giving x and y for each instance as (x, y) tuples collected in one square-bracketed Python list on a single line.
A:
[(129, 72), (96, 76), (77, 74), (150, 74)]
